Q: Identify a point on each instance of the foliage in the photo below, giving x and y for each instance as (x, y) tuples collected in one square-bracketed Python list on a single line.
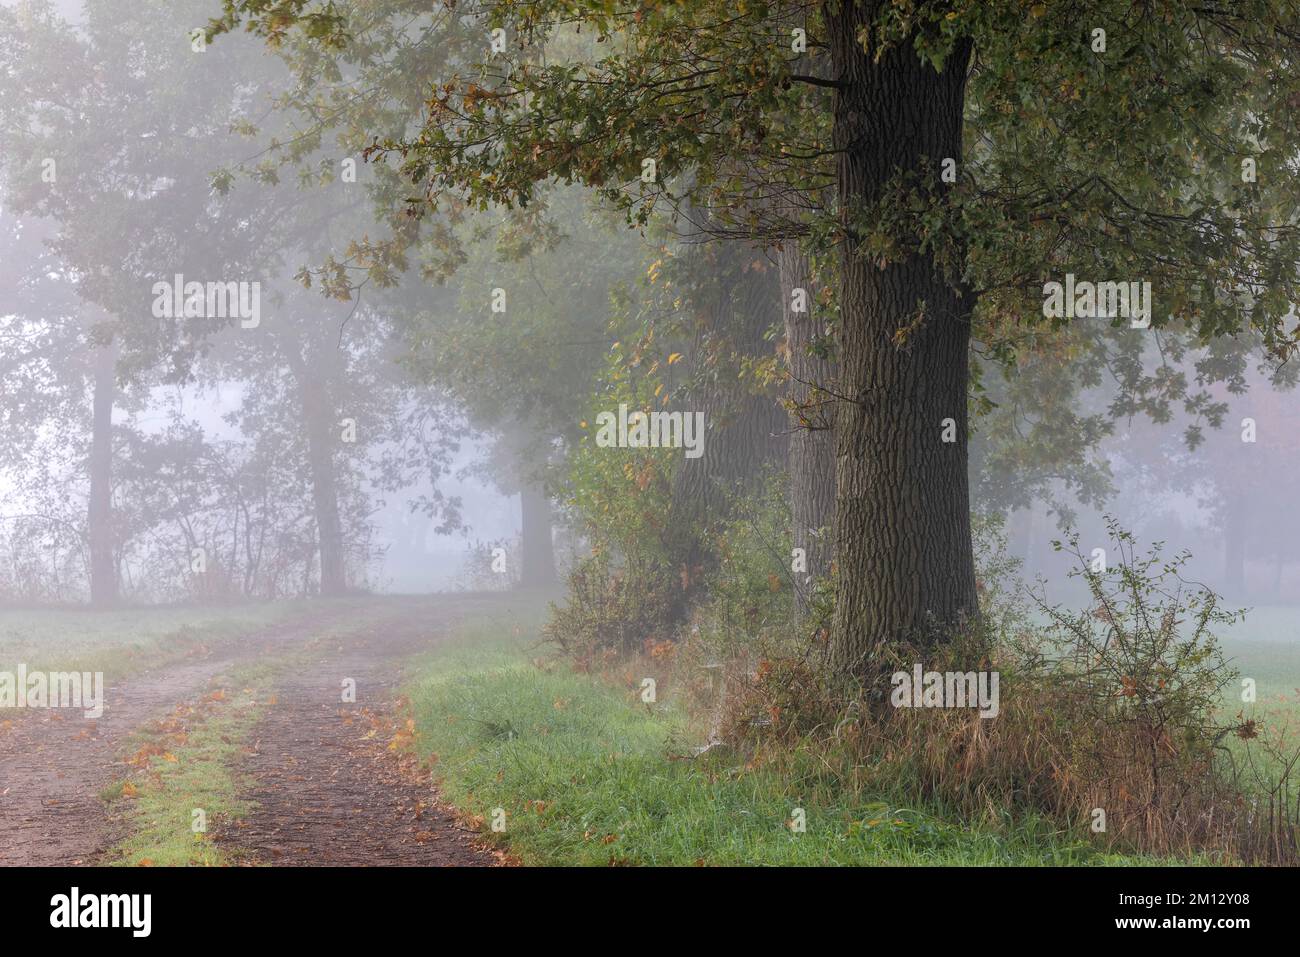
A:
[(611, 608)]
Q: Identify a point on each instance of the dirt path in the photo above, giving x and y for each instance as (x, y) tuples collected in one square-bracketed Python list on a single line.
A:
[(329, 790)]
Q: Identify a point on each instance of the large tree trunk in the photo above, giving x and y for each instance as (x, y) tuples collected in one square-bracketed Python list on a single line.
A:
[(525, 446), (99, 516), (537, 564), (902, 527), (812, 441), (320, 423)]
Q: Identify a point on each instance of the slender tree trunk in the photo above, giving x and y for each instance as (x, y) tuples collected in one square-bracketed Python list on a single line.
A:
[(526, 453), (1234, 543), (537, 564), (99, 517), (1020, 534), (319, 419), (902, 525), (812, 441)]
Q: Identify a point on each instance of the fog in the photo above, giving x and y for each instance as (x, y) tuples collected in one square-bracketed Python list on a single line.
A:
[(495, 432), (217, 387)]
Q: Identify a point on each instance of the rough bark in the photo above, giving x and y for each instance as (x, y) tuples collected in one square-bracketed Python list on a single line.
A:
[(812, 441), (902, 527), (99, 516)]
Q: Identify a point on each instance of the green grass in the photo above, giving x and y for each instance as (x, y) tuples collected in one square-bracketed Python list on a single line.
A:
[(1266, 647), (195, 770), (587, 775)]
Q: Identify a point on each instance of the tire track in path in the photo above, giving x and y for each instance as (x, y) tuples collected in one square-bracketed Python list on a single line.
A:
[(54, 763), (330, 784)]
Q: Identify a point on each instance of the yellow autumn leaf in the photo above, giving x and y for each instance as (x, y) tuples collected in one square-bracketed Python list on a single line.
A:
[(674, 357)]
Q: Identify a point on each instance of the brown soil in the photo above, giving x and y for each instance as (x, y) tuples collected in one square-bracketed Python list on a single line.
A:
[(329, 786), (334, 784)]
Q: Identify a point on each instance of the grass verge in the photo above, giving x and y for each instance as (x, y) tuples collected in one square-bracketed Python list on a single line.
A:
[(587, 775)]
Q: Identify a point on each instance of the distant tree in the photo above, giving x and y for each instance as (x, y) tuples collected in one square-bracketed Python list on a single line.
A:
[(1171, 148), (110, 141), (376, 84), (521, 344)]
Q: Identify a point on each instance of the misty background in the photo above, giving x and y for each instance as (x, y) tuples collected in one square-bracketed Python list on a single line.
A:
[(213, 430)]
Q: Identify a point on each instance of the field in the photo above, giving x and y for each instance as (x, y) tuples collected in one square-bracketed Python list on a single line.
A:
[(118, 642), (1266, 647)]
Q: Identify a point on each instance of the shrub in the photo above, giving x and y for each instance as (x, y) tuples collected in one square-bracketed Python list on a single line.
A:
[(611, 609), (1141, 668), (1115, 709), (479, 569)]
